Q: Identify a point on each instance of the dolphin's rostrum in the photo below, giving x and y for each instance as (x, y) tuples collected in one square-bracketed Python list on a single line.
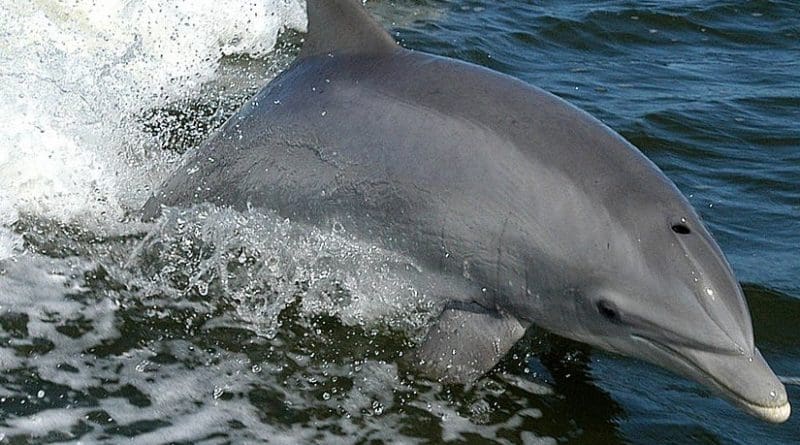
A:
[(530, 210)]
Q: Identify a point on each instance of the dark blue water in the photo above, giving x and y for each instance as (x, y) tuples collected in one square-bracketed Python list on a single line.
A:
[(211, 326)]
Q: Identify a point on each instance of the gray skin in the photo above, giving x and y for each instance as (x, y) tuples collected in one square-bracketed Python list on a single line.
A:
[(523, 208)]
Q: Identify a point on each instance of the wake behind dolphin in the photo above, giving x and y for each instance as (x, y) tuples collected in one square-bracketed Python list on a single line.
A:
[(525, 209)]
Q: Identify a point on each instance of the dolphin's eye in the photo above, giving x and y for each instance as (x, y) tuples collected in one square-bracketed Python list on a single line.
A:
[(608, 311), (681, 229)]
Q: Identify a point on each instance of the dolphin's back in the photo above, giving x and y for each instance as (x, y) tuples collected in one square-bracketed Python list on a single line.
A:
[(395, 136)]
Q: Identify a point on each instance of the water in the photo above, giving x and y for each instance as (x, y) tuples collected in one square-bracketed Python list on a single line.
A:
[(210, 326)]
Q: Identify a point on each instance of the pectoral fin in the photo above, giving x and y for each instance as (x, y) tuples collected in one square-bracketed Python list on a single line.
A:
[(466, 343)]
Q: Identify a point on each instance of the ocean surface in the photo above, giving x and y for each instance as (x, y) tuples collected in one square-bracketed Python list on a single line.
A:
[(210, 326)]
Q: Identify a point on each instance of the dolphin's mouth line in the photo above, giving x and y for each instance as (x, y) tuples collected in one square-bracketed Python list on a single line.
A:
[(761, 409)]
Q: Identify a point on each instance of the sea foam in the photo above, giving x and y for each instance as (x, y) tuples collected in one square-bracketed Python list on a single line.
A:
[(75, 78)]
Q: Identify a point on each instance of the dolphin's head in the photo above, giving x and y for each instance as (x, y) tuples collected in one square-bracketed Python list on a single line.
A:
[(666, 294)]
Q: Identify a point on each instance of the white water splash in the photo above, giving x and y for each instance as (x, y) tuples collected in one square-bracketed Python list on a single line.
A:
[(9, 242), (76, 74), (263, 263)]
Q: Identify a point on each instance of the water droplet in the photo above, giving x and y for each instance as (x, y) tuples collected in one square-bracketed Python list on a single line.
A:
[(40, 394), (326, 396), (377, 407), (773, 394)]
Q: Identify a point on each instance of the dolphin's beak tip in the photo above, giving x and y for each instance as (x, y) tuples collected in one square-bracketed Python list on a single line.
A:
[(776, 414)]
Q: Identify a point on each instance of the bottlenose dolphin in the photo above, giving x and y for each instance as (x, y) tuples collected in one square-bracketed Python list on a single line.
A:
[(528, 210)]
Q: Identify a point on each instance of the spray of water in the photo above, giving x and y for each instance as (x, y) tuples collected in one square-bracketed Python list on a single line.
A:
[(76, 77)]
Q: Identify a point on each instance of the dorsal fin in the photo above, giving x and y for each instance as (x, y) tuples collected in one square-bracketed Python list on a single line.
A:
[(343, 26)]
